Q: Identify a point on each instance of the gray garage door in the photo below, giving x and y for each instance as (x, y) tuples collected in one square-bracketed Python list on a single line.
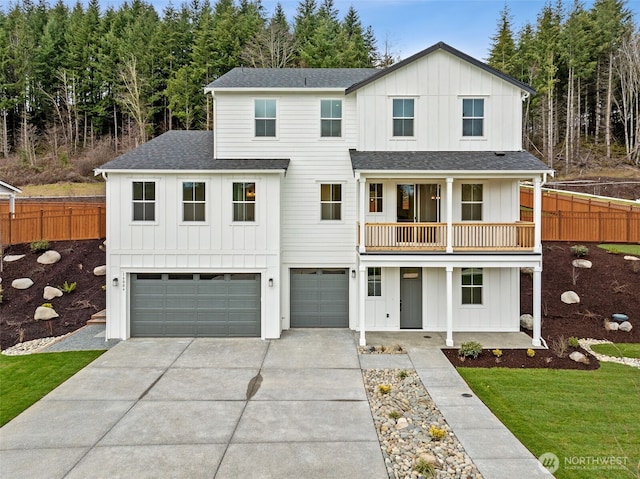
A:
[(319, 298), (195, 305)]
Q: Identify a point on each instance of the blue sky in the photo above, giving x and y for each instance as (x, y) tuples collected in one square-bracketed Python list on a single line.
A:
[(409, 26)]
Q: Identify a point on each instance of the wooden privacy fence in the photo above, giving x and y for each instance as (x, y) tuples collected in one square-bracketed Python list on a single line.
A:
[(78, 221), (554, 200)]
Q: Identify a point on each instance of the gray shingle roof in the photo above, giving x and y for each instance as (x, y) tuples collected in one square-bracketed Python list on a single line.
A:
[(446, 161), (185, 150), (243, 77)]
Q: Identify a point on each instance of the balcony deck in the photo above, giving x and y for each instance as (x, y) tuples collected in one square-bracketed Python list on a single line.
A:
[(465, 237)]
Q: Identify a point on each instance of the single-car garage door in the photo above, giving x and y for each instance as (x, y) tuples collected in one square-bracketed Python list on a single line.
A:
[(319, 298), (195, 305)]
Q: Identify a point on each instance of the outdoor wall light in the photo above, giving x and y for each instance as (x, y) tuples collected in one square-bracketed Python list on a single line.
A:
[(271, 282), (114, 281), (353, 273)]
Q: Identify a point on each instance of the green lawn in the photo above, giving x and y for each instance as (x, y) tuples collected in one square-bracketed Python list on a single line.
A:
[(26, 379), (628, 350), (580, 416), (632, 249)]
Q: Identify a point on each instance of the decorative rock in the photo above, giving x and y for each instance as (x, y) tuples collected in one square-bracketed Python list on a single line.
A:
[(49, 257), (581, 263), (625, 326), (402, 423), (50, 292), (619, 317), (44, 313), (100, 270), (12, 257), (22, 283), (578, 357), (526, 321), (611, 326), (570, 297), (631, 258)]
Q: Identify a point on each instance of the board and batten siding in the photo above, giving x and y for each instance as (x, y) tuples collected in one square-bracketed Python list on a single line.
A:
[(439, 82), (170, 245)]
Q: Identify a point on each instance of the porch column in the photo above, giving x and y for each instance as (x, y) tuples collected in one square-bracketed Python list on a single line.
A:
[(449, 340), (361, 304), (449, 215), (537, 306), (361, 209), (537, 215)]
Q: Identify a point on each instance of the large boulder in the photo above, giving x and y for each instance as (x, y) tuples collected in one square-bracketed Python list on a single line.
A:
[(578, 357), (625, 326), (526, 321), (100, 270), (50, 292), (570, 297), (44, 313), (22, 283), (581, 263), (49, 257)]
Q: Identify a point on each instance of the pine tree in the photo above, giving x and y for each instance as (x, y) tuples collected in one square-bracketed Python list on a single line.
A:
[(503, 49)]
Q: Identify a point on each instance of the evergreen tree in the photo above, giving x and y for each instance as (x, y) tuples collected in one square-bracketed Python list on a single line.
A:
[(503, 48)]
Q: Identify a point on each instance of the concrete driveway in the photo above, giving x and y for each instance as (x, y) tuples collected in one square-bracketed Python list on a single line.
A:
[(192, 408)]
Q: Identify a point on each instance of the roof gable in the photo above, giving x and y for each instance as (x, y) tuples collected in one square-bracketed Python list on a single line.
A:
[(440, 46)]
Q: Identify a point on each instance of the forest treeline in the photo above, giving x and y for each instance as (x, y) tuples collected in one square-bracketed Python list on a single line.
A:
[(84, 79), (585, 66)]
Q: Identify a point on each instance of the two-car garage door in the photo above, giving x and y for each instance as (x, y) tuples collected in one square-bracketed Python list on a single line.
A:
[(195, 305)]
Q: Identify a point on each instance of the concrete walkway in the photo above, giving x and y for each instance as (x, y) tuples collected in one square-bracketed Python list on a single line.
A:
[(228, 408)]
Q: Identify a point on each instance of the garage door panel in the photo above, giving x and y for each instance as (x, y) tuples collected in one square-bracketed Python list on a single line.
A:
[(209, 305), (319, 298)]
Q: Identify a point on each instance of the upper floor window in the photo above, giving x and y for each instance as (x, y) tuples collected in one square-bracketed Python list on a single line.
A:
[(471, 207), (193, 201), (330, 117), (403, 117), (374, 281), (265, 117), (144, 201), (375, 197), (331, 201), (473, 117), (244, 202), (471, 286)]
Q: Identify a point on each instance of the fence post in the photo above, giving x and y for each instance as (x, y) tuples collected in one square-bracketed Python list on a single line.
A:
[(41, 224), (70, 224)]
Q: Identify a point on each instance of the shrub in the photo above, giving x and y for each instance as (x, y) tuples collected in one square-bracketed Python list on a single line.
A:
[(470, 349), (573, 342), (394, 415), (497, 352), (425, 468), (403, 374), (559, 347), (531, 353), (68, 287), (579, 250), (40, 245), (384, 388), (436, 432)]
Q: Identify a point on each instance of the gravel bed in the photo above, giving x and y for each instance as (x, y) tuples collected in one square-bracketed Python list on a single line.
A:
[(29, 347), (405, 437)]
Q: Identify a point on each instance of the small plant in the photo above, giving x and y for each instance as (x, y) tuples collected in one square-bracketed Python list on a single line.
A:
[(616, 287), (470, 349), (384, 388), (425, 469), (383, 348), (394, 415), (531, 353), (403, 374), (40, 245), (47, 305), (497, 352), (575, 274), (580, 251), (104, 287), (1, 291), (573, 342), (635, 266), (68, 287), (437, 433), (559, 346)]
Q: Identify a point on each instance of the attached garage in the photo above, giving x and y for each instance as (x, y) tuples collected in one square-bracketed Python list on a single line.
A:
[(195, 305), (319, 298)]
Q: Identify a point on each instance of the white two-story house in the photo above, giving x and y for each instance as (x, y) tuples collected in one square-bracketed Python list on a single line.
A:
[(376, 200)]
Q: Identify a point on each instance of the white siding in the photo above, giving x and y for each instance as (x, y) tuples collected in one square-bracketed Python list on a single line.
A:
[(438, 82)]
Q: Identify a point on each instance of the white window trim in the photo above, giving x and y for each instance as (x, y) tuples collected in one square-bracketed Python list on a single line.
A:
[(368, 211), (379, 296), (484, 136), (277, 127), (320, 202), (482, 287), (206, 202), (415, 121), (255, 203), (333, 138), (157, 211), (473, 202)]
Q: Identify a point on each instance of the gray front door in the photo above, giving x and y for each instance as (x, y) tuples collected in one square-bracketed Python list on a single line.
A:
[(410, 298), (319, 298)]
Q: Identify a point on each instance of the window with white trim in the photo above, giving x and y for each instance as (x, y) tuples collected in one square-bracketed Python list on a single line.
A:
[(193, 201), (403, 116), (265, 118), (244, 202), (374, 281), (472, 117), (331, 118), (471, 206), (144, 201), (375, 197), (330, 201), (471, 286)]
